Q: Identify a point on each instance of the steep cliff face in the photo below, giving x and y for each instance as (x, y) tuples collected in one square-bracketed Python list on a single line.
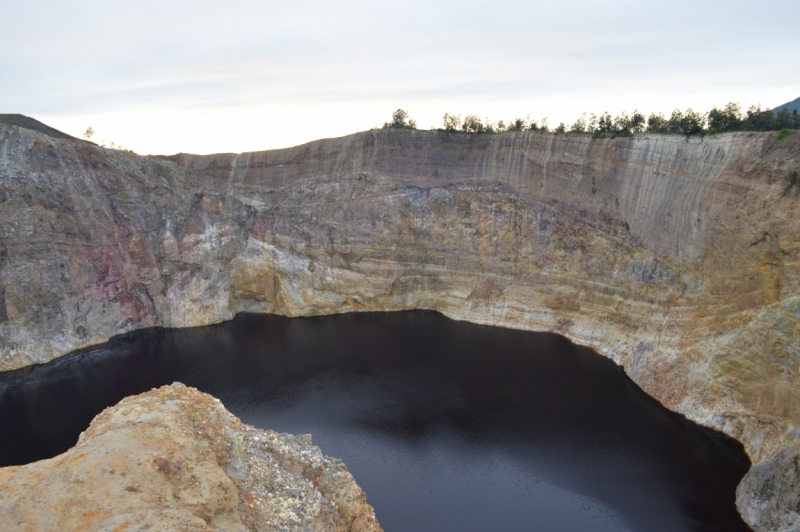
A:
[(678, 258)]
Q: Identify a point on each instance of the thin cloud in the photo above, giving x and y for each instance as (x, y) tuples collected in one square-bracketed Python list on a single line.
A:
[(338, 67)]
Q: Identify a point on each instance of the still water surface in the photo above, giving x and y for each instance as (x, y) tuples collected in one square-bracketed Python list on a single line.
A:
[(448, 426)]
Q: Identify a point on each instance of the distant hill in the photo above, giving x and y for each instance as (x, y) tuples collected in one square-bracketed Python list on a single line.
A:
[(791, 106), (30, 123)]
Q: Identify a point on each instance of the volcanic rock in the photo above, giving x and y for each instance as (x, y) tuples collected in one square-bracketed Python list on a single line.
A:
[(677, 257), (175, 459)]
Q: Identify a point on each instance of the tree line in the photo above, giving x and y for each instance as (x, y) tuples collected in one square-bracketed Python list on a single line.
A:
[(729, 118)]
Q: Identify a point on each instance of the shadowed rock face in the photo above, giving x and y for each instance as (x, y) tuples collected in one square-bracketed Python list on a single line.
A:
[(175, 459), (678, 258), (769, 495)]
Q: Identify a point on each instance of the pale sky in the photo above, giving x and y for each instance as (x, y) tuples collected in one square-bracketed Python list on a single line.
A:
[(202, 77)]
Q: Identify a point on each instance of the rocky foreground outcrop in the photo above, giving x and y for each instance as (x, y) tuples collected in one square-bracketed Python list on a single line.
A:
[(175, 459), (769, 496), (679, 258)]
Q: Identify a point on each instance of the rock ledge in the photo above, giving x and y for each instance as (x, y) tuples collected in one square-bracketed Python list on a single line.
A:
[(175, 459)]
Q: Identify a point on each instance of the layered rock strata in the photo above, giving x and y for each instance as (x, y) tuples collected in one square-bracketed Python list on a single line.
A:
[(676, 257), (176, 459)]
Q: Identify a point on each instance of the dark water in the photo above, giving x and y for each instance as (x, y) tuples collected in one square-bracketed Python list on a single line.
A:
[(446, 425)]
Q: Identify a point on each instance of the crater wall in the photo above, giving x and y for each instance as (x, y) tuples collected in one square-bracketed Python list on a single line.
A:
[(676, 257)]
